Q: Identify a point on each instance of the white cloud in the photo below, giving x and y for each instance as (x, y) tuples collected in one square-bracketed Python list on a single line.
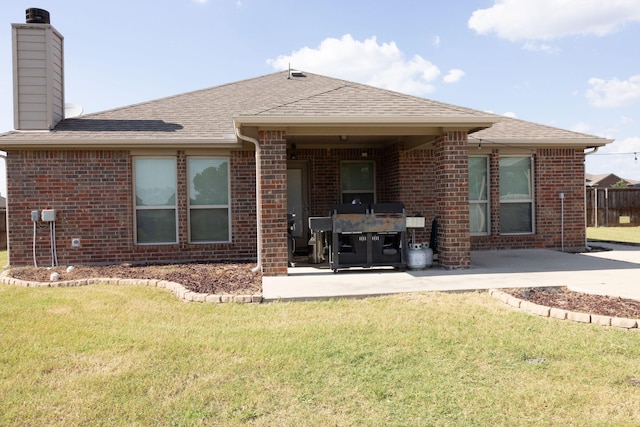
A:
[(618, 157), (510, 114), (614, 92), (454, 75), (237, 2), (550, 19), (540, 47), (382, 65), (436, 41), (581, 127), (627, 145)]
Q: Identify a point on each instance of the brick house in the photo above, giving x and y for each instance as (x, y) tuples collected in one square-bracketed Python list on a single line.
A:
[(607, 180), (211, 174)]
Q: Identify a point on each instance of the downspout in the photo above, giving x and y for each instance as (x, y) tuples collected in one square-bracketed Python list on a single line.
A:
[(595, 150), (258, 267), (586, 242)]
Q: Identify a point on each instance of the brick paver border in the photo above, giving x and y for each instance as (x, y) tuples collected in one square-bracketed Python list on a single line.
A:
[(544, 311), (176, 288)]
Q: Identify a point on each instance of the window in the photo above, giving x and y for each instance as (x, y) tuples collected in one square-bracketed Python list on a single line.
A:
[(155, 200), (358, 181), (478, 195), (208, 200), (516, 195)]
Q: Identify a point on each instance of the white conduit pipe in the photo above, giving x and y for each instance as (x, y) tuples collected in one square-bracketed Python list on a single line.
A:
[(51, 245), (54, 249), (258, 267), (55, 245), (35, 260)]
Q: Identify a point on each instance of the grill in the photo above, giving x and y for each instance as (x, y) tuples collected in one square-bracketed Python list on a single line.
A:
[(365, 235)]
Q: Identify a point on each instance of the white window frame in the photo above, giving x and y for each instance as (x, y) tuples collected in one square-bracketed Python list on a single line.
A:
[(137, 208), (486, 201), (359, 191), (227, 206), (530, 200)]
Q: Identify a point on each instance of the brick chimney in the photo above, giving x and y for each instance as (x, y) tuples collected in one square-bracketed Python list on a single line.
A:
[(38, 73)]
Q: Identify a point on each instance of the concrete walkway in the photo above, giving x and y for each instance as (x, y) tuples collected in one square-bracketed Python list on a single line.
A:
[(615, 272)]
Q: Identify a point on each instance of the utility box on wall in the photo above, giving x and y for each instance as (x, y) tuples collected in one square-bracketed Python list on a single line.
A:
[(48, 215)]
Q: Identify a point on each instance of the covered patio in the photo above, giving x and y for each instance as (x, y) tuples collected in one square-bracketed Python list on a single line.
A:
[(611, 272)]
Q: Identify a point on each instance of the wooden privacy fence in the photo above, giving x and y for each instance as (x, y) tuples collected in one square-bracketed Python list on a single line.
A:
[(613, 207), (3, 230)]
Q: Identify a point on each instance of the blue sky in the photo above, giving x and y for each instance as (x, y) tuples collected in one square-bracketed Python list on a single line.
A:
[(571, 64)]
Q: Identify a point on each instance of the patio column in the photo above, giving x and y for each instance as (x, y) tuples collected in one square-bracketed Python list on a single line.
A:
[(273, 163), (452, 207)]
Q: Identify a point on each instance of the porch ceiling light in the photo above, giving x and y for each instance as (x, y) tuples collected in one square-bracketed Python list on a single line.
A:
[(344, 137)]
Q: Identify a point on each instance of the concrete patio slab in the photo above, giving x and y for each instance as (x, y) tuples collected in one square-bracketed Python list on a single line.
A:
[(614, 272)]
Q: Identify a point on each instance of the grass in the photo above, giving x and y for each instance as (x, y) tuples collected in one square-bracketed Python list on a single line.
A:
[(108, 355), (614, 234)]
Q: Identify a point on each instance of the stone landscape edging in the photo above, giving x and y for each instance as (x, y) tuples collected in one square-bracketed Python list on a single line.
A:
[(176, 288), (557, 313)]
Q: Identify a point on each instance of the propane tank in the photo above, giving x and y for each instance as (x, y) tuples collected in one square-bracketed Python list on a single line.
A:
[(417, 256)]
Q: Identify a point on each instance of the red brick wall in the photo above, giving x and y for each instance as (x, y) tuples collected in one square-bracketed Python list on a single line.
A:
[(92, 192), (563, 171), (417, 176), (452, 200), (555, 171), (324, 181), (273, 186), (324, 175)]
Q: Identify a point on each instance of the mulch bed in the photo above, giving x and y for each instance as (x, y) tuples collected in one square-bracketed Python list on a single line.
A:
[(208, 278), (566, 299)]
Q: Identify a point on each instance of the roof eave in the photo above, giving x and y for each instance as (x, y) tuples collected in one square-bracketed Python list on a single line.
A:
[(545, 142), (118, 144)]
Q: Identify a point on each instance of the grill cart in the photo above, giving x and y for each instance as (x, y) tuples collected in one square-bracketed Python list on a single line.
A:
[(365, 235)]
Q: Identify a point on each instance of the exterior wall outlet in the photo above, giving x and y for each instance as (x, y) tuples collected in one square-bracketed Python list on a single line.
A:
[(75, 242), (35, 216)]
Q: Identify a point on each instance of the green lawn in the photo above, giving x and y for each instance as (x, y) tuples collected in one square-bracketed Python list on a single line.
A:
[(108, 355), (614, 234)]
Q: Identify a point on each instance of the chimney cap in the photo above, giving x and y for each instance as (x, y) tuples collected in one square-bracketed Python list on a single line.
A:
[(37, 16)]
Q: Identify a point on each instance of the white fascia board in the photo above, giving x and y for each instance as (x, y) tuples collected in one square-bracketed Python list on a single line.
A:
[(121, 143), (543, 142)]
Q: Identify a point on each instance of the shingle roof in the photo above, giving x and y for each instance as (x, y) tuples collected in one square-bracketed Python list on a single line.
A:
[(606, 180), (208, 114), (510, 129)]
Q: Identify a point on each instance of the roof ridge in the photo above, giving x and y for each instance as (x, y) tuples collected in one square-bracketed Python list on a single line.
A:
[(324, 92), (421, 99)]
